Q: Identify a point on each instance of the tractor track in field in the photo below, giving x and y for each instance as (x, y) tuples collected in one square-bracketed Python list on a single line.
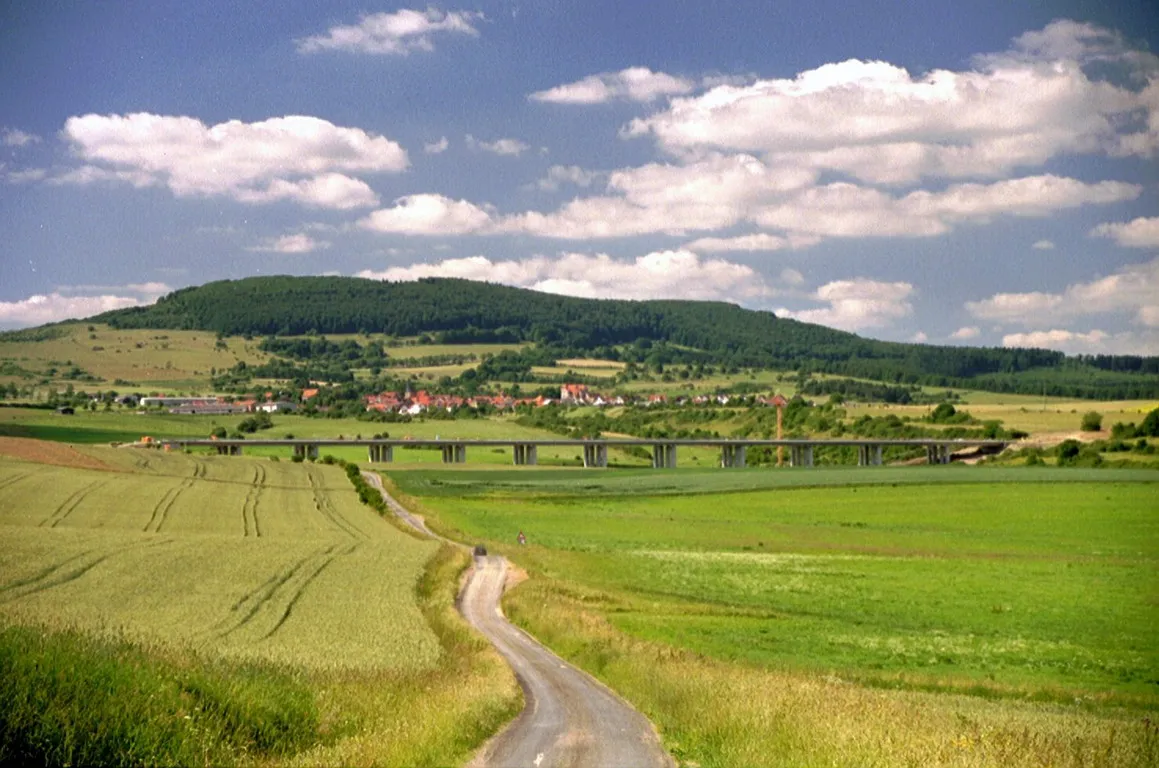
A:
[(325, 508), (70, 504), (161, 511), (251, 526), (56, 575), (289, 585), (13, 480), (348, 550), (570, 719)]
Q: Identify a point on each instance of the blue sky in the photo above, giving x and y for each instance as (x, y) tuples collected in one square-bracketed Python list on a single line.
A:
[(978, 173)]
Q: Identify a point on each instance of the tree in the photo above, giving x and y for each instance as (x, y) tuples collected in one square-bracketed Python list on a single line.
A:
[(1150, 425), (1092, 422)]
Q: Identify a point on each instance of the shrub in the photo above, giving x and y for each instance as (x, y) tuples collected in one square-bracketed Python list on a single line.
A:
[(1150, 425), (1092, 422)]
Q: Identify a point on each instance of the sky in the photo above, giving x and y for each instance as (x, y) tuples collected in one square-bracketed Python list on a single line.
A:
[(974, 172)]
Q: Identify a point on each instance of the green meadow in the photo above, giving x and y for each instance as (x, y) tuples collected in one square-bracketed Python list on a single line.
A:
[(970, 598)]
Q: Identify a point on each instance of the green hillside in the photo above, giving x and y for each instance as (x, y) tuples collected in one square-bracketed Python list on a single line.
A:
[(462, 311)]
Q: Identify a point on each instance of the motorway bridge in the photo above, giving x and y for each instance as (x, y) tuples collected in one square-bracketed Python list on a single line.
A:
[(595, 452)]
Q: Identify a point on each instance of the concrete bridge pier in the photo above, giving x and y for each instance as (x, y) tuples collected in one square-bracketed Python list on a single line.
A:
[(869, 455), (938, 454), (306, 450), (380, 453), (454, 454), (876, 455), (663, 456), (801, 456), (596, 455), (229, 450), (733, 456), (523, 454)]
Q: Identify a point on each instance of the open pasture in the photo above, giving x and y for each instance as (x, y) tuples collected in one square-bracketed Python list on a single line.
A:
[(149, 358), (237, 558), (923, 613)]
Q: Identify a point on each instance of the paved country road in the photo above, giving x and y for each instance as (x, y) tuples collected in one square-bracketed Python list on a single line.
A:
[(570, 719)]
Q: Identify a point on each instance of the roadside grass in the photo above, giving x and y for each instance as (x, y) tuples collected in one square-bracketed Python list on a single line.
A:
[(72, 699), (434, 718), (716, 713), (269, 577), (950, 622)]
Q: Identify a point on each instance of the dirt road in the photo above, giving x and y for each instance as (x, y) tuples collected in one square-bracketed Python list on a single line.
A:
[(569, 719)]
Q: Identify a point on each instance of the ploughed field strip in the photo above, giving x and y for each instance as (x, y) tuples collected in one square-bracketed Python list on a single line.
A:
[(246, 559)]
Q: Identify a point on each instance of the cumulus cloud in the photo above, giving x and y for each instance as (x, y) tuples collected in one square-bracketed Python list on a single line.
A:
[(298, 158), (297, 243), (759, 241), (719, 191), (25, 176), (919, 338), (11, 137), (1142, 232), (558, 175), (437, 147), (881, 124), (65, 304), (1133, 289), (1043, 245), (858, 304), (638, 84), (510, 147), (1093, 342), (395, 34), (966, 333), (429, 214), (657, 275)]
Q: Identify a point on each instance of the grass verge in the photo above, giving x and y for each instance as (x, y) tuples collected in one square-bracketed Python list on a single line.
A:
[(716, 713), (71, 699)]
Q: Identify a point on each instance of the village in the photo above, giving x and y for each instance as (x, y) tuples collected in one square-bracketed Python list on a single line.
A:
[(414, 403)]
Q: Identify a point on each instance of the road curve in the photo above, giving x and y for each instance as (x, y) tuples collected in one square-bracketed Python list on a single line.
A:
[(570, 719)]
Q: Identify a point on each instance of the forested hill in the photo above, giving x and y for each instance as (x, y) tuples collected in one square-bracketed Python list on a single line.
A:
[(463, 311)]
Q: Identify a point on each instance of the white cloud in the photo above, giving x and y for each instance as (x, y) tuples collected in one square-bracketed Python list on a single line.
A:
[(437, 147), (298, 158), (558, 175), (1043, 245), (25, 176), (11, 137), (510, 147), (1138, 233), (298, 243), (792, 277), (880, 124), (1094, 342), (759, 241), (62, 305), (658, 275), (395, 34), (718, 191), (429, 214), (638, 84), (966, 333), (919, 338), (857, 304), (1132, 289), (1027, 196)]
